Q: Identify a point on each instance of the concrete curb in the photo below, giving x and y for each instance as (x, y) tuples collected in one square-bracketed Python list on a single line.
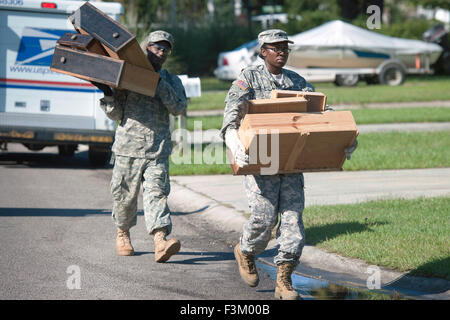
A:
[(314, 262)]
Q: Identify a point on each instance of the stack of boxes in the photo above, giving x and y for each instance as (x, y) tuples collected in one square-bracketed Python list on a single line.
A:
[(291, 132), (104, 51)]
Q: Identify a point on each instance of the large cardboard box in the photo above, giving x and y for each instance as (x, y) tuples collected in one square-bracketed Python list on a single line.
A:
[(316, 101), (291, 104), (289, 142)]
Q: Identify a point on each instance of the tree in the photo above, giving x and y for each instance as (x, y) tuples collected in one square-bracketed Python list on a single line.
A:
[(443, 4), (351, 9), (139, 15)]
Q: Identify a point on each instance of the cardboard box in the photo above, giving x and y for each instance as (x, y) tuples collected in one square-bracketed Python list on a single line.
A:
[(291, 104), (113, 72), (316, 101), (117, 41), (295, 142)]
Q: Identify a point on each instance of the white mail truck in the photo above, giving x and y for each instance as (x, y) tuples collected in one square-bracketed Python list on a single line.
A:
[(38, 107)]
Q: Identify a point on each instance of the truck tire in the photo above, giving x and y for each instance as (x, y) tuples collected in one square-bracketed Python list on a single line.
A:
[(346, 80), (392, 75), (67, 150), (34, 146), (98, 157)]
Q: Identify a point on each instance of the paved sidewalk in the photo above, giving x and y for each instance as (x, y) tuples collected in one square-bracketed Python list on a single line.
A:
[(220, 199), (323, 188)]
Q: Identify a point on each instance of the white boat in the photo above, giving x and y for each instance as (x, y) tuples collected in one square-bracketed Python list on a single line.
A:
[(341, 52)]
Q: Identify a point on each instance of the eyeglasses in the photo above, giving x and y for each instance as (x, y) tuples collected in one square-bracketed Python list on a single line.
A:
[(278, 50), (160, 47)]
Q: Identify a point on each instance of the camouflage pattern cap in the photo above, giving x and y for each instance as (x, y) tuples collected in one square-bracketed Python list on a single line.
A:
[(156, 36), (272, 36)]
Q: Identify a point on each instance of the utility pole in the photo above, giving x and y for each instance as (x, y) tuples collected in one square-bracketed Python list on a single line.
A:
[(249, 18), (173, 13)]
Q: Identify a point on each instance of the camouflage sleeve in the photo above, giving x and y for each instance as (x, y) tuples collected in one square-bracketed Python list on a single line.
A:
[(309, 87), (114, 105), (235, 104), (172, 94), (299, 82)]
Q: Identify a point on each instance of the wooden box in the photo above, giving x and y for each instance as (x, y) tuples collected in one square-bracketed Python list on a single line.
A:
[(291, 104), (113, 72), (117, 41), (316, 101), (81, 42), (295, 142)]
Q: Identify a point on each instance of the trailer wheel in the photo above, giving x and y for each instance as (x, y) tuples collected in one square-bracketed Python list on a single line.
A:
[(346, 80), (98, 156), (67, 150), (392, 74)]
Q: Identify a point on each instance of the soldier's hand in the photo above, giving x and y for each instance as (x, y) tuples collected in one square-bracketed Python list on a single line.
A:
[(103, 87), (241, 157), (237, 148), (349, 150)]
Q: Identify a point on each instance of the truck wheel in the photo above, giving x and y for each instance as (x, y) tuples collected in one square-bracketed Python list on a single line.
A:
[(346, 80), (67, 150), (392, 75), (34, 146), (98, 156)]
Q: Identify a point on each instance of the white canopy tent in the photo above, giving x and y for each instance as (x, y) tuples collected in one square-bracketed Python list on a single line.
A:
[(339, 34)]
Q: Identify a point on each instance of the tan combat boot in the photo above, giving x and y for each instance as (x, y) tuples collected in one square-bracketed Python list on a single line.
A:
[(284, 290), (123, 243), (247, 267), (164, 249)]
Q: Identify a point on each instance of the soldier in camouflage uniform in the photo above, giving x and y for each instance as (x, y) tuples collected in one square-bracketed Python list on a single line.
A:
[(268, 195), (141, 151)]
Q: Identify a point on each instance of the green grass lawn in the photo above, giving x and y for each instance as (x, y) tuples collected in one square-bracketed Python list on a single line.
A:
[(401, 115), (210, 100), (214, 84), (376, 151), (210, 122), (401, 150), (414, 89), (406, 235), (362, 116)]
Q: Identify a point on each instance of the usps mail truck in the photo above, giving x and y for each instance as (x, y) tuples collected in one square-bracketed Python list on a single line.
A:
[(38, 107)]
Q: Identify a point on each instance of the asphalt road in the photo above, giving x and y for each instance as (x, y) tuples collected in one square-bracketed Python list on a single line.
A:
[(58, 240)]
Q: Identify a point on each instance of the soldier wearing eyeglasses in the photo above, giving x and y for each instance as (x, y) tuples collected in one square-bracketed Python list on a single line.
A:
[(269, 196), (141, 151)]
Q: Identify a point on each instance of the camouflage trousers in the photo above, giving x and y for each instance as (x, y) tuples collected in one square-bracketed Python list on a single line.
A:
[(127, 176), (271, 198)]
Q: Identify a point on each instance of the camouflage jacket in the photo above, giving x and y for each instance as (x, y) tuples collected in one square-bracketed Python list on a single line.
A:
[(256, 82), (144, 130)]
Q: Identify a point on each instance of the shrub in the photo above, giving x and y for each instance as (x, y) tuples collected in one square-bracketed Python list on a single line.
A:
[(197, 48)]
